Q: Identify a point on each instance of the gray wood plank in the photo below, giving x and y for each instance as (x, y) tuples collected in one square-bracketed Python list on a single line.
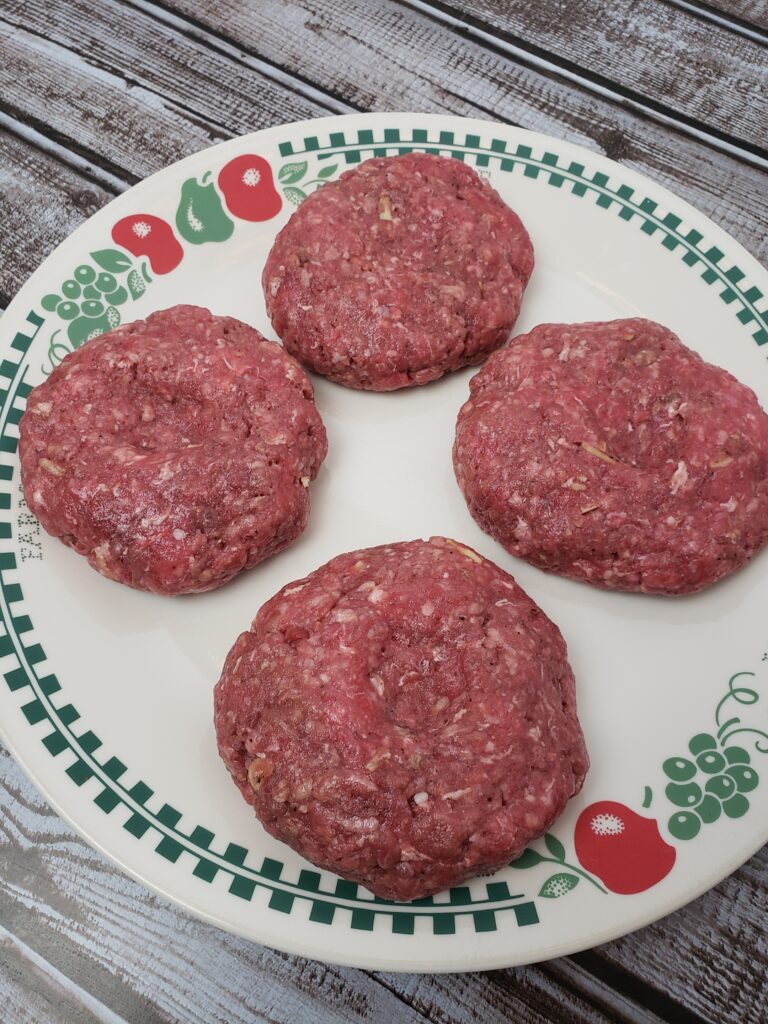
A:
[(147, 960), (163, 96), (713, 954), (660, 52), (390, 57), (42, 201), (168, 93), (754, 12), (31, 988)]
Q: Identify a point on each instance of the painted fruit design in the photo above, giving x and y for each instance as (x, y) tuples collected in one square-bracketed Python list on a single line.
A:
[(145, 235), (88, 302), (200, 216), (624, 849), (248, 188)]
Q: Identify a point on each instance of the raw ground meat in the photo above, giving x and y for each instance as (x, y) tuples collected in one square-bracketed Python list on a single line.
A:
[(404, 716), (173, 452), (403, 269), (611, 453)]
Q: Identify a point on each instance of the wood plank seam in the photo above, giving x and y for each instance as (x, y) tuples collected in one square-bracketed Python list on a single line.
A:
[(58, 980), (621, 1007), (636, 989), (195, 30), (727, 21), (82, 162), (520, 50)]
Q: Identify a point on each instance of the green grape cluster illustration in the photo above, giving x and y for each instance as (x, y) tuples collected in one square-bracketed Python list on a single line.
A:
[(88, 301), (716, 776), (711, 782)]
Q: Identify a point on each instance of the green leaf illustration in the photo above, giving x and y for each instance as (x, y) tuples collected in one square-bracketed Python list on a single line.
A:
[(528, 859), (112, 260), (291, 173), (326, 172), (558, 885), (50, 302), (294, 195), (554, 846)]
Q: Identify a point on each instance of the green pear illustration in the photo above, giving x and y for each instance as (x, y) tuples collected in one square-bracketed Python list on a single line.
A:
[(200, 217)]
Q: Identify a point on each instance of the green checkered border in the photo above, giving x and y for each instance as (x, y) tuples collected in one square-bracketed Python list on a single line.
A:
[(558, 172), (23, 662)]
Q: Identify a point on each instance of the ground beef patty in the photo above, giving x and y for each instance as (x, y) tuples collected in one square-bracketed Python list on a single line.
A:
[(173, 452), (403, 269), (404, 717), (611, 453)]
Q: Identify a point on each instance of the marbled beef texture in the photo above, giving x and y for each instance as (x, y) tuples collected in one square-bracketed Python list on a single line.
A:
[(404, 717), (173, 452), (403, 269), (611, 453)]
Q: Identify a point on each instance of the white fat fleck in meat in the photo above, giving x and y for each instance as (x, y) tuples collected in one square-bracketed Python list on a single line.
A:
[(179, 534), (155, 520), (344, 615), (420, 798), (455, 794), (376, 595), (378, 684), (679, 477), (729, 506), (373, 764), (427, 609)]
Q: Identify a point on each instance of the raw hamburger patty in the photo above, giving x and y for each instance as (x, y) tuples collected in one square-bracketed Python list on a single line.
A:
[(611, 453), (404, 717), (403, 269), (173, 452)]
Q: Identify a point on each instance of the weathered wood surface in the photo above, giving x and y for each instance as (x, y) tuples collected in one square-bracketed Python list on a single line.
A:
[(142, 955), (86, 117), (42, 200), (753, 13), (644, 49), (170, 92)]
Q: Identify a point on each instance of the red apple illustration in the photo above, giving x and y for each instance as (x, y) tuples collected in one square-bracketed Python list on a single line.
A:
[(145, 235), (622, 848), (248, 188)]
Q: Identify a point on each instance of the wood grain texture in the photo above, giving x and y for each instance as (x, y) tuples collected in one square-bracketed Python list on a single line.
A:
[(645, 48), (42, 201), (723, 934), (138, 117), (383, 56), (150, 961), (163, 96), (754, 12), (30, 987)]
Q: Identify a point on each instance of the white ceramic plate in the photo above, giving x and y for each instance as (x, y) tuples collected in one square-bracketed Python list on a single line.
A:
[(106, 692)]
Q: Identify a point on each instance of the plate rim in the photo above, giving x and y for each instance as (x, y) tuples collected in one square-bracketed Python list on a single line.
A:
[(595, 160)]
